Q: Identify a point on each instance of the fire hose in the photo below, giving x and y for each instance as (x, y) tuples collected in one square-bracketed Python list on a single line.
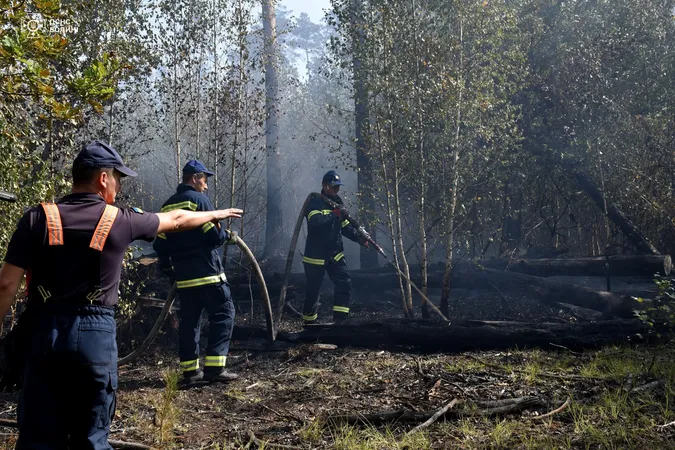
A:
[(361, 231), (8, 196), (267, 306)]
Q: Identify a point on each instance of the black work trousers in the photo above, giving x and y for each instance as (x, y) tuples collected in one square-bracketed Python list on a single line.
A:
[(338, 274), (217, 301)]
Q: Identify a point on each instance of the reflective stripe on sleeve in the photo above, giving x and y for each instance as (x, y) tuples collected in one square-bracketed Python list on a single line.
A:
[(325, 212), (182, 205)]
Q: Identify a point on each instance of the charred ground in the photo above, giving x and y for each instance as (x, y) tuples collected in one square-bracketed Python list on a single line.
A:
[(298, 395)]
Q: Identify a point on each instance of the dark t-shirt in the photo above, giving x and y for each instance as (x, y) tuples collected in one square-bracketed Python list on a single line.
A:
[(79, 213)]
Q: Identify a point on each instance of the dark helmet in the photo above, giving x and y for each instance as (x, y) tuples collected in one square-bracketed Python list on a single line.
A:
[(332, 178)]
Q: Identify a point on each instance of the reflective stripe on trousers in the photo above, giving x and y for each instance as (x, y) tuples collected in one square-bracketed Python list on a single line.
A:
[(204, 281)]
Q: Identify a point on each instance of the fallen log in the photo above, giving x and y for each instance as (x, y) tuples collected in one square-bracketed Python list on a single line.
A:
[(401, 415), (619, 265), (471, 336), (546, 291), (427, 336)]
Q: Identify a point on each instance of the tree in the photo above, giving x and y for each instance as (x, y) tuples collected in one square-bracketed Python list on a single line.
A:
[(274, 222), (49, 92)]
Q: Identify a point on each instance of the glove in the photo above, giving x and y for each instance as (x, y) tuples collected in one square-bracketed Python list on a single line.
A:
[(233, 237), (341, 212)]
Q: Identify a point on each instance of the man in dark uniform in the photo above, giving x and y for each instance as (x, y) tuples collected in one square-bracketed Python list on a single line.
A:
[(324, 251), (73, 251), (192, 259)]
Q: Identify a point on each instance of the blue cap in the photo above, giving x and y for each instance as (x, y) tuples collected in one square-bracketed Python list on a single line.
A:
[(98, 155), (332, 178), (196, 166)]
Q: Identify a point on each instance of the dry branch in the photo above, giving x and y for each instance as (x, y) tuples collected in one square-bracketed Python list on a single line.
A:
[(555, 411), (645, 387), (401, 415), (435, 417)]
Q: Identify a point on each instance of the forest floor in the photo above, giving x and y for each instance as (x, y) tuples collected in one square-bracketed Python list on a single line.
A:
[(614, 397)]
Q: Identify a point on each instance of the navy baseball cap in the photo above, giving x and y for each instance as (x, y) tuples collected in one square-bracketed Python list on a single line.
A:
[(332, 178), (98, 155), (196, 166)]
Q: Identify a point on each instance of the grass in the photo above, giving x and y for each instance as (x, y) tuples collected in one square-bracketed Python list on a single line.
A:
[(370, 438), (167, 413), (601, 415), (462, 365)]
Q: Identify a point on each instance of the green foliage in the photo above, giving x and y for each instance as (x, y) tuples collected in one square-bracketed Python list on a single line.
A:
[(661, 310), (132, 283), (49, 92)]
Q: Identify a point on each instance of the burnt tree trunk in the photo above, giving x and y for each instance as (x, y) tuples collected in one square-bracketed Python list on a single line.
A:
[(274, 223), (364, 163), (631, 232), (620, 265)]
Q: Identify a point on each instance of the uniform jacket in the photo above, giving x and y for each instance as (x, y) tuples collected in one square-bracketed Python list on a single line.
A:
[(325, 231), (192, 256)]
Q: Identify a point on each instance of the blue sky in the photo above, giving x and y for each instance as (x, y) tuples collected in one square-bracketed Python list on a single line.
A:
[(311, 7)]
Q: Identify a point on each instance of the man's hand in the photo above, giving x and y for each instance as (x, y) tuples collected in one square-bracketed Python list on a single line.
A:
[(233, 237), (222, 214), (183, 220), (364, 241)]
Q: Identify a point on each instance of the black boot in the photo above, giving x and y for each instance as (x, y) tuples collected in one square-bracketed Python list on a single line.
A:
[(192, 376), (223, 376)]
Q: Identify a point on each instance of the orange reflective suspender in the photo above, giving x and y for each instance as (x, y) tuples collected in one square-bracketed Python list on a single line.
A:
[(103, 228), (55, 233), (54, 228)]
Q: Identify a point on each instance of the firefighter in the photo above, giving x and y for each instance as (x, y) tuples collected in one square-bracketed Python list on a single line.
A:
[(73, 250), (192, 259), (324, 251)]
